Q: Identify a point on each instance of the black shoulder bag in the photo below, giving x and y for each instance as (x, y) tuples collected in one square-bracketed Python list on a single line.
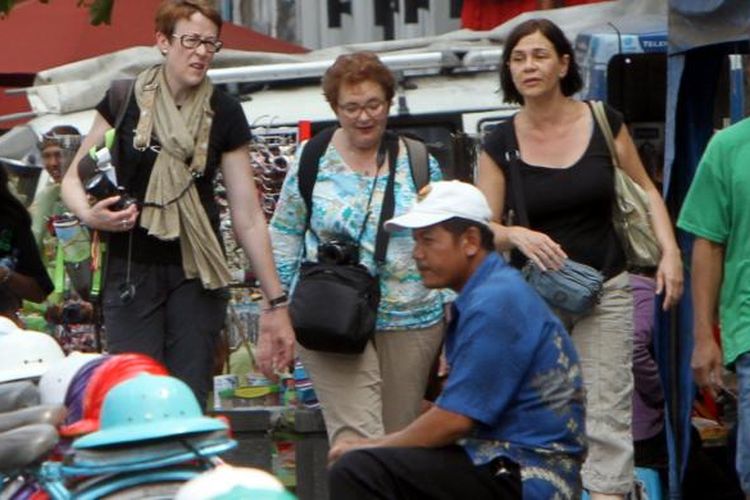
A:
[(334, 306), (575, 287)]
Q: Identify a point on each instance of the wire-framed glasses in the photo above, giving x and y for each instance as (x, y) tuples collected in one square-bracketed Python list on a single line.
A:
[(191, 41)]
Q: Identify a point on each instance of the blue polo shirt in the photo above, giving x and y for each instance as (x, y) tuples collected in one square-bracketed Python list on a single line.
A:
[(515, 372)]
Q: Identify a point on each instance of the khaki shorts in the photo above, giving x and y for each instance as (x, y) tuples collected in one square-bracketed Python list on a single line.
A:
[(379, 391), (604, 341)]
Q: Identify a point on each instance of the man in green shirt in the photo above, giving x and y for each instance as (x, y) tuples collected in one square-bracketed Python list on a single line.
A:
[(717, 211)]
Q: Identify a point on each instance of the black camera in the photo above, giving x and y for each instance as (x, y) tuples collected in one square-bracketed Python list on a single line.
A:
[(74, 313), (338, 252), (100, 187)]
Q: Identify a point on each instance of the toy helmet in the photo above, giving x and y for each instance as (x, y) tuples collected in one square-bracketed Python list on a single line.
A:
[(77, 388), (27, 354), (235, 483), (114, 370), (54, 383), (148, 407), (7, 325)]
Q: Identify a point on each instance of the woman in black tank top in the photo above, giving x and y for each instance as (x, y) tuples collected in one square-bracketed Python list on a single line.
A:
[(567, 180)]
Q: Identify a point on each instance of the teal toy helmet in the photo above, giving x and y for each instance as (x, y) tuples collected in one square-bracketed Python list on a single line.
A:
[(234, 483), (148, 407)]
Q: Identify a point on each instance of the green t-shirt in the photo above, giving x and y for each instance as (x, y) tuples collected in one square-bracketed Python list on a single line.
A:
[(717, 208)]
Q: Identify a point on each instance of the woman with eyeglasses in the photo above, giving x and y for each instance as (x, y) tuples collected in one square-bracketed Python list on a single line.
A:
[(165, 285), (380, 390)]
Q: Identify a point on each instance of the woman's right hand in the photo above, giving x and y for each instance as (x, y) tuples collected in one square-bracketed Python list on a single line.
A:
[(538, 247), (101, 216)]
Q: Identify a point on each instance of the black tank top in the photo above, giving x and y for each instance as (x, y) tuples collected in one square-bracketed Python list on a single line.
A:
[(572, 205)]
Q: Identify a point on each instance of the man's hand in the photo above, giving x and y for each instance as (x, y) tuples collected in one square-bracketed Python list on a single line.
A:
[(275, 350), (706, 363), (347, 444)]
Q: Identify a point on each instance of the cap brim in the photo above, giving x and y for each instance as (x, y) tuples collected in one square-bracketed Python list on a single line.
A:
[(415, 220), (144, 432)]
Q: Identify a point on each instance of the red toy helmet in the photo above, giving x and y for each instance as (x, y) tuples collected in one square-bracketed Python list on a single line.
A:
[(116, 369)]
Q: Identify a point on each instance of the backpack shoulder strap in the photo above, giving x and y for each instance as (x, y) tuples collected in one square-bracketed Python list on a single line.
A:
[(418, 160), (119, 95), (309, 164)]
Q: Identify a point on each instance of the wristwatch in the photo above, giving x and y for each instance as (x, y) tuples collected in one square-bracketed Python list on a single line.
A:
[(279, 301)]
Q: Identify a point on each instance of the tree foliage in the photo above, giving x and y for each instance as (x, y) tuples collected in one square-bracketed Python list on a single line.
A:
[(100, 11)]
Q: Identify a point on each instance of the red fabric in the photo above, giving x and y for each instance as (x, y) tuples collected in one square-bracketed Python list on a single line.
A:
[(486, 14), (40, 36), (581, 2)]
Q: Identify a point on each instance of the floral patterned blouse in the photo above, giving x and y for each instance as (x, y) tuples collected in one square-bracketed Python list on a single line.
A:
[(340, 206)]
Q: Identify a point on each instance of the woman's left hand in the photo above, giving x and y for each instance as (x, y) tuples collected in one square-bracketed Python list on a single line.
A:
[(669, 278), (275, 341)]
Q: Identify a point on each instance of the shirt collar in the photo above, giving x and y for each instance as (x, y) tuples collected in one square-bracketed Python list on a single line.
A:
[(492, 261)]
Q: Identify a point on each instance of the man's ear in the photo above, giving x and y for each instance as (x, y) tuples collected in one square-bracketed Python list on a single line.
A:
[(472, 241)]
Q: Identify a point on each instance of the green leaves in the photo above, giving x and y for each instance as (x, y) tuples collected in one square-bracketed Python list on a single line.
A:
[(100, 11)]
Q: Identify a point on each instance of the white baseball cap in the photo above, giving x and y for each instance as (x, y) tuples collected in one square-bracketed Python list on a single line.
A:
[(443, 200)]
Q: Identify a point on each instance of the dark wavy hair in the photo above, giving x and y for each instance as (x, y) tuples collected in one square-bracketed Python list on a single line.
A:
[(569, 84), (10, 206)]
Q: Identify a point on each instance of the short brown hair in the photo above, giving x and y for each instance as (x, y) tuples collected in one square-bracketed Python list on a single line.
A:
[(569, 84), (171, 11), (357, 68)]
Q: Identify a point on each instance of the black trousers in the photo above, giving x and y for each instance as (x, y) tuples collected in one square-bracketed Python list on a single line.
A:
[(172, 319), (421, 473)]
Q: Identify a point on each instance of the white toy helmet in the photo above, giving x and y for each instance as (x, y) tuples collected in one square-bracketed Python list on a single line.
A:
[(227, 482), (7, 325), (27, 354), (54, 383)]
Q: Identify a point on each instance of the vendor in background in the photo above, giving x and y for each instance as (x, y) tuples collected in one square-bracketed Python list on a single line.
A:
[(22, 273), (165, 292), (568, 183), (64, 313), (55, 156), (379, 391)]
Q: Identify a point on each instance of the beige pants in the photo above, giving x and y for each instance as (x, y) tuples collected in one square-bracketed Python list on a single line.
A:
[(379, 391), (604, 341)]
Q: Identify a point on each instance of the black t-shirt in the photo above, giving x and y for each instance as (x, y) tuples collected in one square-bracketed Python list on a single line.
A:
[(18, 251), (229, 131), (572, 205)]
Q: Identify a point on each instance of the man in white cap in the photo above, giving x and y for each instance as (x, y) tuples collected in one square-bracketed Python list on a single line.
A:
[(510, 420)]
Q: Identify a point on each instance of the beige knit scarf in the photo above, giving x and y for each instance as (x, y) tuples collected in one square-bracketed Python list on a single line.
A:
[(172, 207)]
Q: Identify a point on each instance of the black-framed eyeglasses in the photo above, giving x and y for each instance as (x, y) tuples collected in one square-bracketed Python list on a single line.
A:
[(193, 41)]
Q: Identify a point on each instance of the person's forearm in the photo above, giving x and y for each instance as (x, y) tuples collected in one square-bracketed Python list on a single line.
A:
[(21, 285), (74, 196), (662, 223), (434, 428), (257, 245), (706, 275)]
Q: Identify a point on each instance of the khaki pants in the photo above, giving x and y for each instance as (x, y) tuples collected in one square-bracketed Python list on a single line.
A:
[(604, 341), (376, 392)]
